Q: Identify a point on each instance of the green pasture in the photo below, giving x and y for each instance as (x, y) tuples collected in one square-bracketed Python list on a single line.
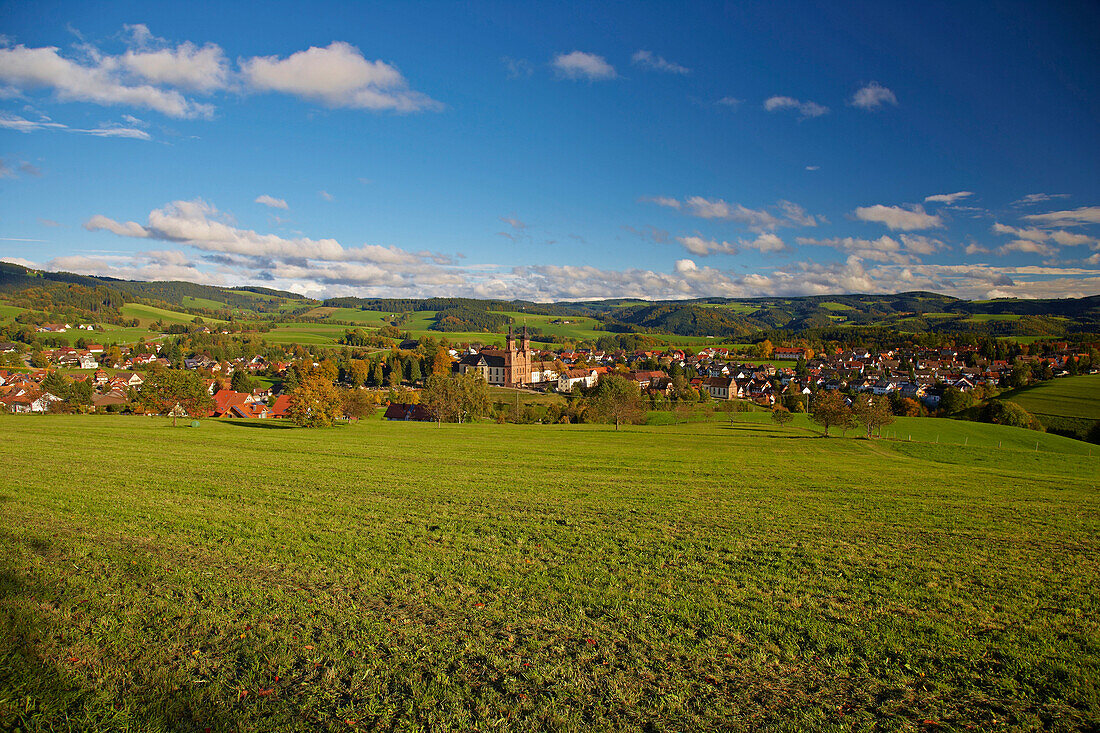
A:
[(9, 312), (147, 314), (1069, 405), (401, 576)]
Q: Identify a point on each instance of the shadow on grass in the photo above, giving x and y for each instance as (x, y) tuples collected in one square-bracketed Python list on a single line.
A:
[(57, 691), (261, 425)]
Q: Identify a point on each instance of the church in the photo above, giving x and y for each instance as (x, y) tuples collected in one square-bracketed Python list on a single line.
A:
[(510, 367)]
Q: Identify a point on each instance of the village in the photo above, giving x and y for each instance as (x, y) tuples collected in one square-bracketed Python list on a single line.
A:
[(94, 378)]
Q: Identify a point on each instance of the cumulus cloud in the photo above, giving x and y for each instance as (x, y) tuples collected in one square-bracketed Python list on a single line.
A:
[(271, 201), (648, 60), (1076, 217), (186, 66), (804, 109), (581, 65), (99, 81), (703, 247), (1041, 236), (872, 96), (947, 198), (883, 249), (921, 245), (788, 213), (899, 218), (338, 76), (200, 225)]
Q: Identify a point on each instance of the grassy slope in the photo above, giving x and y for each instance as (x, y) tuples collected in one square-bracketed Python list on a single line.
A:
[(1069, 405), (146, 314), (683, 577)]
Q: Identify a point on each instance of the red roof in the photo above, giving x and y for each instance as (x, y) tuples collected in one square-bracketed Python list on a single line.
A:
[(282, 403), (226, 399)]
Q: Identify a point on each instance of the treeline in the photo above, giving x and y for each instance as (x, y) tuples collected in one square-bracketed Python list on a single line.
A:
[(462, 318)]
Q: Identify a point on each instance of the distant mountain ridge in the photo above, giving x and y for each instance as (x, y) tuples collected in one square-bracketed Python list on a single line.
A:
[(914, 312)]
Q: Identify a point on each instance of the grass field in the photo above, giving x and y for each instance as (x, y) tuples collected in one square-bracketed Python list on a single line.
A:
[(685, 577), (1067, 404), (147, 314)]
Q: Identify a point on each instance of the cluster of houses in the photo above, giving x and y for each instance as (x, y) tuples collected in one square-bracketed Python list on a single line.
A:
[(921, 375)]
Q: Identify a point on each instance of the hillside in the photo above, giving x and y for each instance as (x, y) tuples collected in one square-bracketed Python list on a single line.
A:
[(1067, 406), (832, 317), (691, 574)]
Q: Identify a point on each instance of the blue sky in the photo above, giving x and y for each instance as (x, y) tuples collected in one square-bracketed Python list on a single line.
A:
[(556, 151)]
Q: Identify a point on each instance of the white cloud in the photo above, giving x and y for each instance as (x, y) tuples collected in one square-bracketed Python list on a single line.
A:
[(813, 167), (805, 109), (666, 201), (1077, 217), (1027, 246), (107, 129), (128, 229), (326, 195), (704, 247), (729, 102), (790, 214), (1039, 198), (581, 65), (100, 82), (513, 222), (271, 201), (337, 76), (873, 96), (766, 242), (1033, 234), (899, 218), (947, 198), (883, 249), (648, 60), (921, 245), (187, 66)]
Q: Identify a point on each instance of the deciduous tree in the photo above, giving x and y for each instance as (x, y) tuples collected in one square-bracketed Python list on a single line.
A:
[(617, 400), (316, 402), (166, 388), (781, 416), (828, 410)]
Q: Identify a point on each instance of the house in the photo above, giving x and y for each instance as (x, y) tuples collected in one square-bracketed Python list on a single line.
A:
[(572, 377), (251, 409), (87, 361), (279, 407), (788, 354), (114, 397), (722, 388), (418, 413), (225, 400)]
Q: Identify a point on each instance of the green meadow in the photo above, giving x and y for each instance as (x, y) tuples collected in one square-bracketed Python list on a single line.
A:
[(1069, 405), (384, 576)]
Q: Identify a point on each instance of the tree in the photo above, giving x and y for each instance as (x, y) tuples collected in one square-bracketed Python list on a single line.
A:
[(781, 416), (617, 400), (316, 402), (166, 388), (794, 402), (828, 409), (730, 407), (56, 384), (954, 400), (80, 393), (453, 398), (1006, 412), (356, 403), (39, 360), (414, 370), (242, 381), (872, 413)]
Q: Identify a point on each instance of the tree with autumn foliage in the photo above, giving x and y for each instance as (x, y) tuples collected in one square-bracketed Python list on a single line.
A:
[(315, 403), (164, 389), (828, 410)]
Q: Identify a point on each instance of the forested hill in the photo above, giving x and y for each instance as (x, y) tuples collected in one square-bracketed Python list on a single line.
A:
[(912, 312), (56, 290)]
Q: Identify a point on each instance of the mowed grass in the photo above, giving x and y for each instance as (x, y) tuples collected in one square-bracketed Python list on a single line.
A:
[(1065, 397), (406, 576), (1069, 405), (147, 314)]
